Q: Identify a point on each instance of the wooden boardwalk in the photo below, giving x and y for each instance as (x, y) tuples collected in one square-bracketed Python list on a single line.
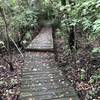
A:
[(42, 79), (43, 41)]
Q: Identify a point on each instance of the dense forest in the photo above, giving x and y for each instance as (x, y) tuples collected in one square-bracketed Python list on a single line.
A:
[(76, 27)]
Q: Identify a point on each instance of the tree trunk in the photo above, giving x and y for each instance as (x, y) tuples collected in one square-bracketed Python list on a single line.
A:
[(6, 28)]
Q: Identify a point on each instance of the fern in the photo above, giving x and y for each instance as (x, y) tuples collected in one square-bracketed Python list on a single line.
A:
[(96, 28)]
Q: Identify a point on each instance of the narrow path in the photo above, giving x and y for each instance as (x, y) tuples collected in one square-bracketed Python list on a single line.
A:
[(42, 80), (43, 42)]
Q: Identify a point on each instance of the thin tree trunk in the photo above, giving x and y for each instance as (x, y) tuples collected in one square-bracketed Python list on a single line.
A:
[(6, 29)]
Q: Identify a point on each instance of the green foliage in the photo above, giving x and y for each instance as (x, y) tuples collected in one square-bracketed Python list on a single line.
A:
[(82, 74), (96, 50), (63, 2), (96, 28), (28, 36), (25, 14), (59, 32), (21, 17), (48, 12), (27, 20), (95, 77), (13, 1), (88, 13)]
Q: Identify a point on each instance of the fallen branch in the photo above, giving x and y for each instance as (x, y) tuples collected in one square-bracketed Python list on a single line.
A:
[(16, 46)]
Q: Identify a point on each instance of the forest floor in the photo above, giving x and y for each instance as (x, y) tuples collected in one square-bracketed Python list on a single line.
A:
[(81, 68), (10, 74)]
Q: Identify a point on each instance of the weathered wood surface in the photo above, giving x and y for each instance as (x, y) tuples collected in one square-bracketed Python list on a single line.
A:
[(42, 79), (43, 41)]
